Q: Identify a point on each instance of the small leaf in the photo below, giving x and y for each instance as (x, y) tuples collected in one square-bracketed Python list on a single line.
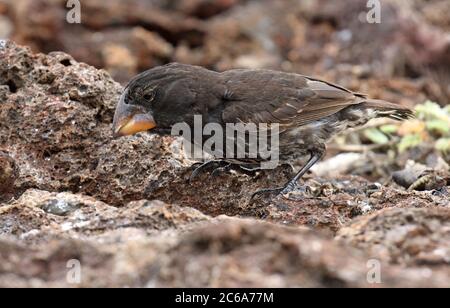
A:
[(439, 126), (443, 145), (430, 110), (389, 129), (376, 136), (447, 109), (409, 141)]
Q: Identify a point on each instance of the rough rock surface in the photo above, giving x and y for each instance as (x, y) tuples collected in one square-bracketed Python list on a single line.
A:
[(404, 236), (81, 195), (155, 244), (8, 175)]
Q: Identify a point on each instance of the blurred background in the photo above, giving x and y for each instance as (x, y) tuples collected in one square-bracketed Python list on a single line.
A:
[(403, 59), (327, 38)]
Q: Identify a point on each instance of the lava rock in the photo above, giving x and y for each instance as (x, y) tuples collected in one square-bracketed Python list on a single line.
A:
[(8, 175)]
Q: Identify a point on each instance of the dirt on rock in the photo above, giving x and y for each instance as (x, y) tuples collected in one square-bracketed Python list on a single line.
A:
[(126, 211)]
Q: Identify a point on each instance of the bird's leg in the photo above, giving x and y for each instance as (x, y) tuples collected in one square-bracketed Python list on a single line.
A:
[(292, 184), (202, 167), (315, 157)]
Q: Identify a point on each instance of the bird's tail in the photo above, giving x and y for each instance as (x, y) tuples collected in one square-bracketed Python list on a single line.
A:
[(385, 109)]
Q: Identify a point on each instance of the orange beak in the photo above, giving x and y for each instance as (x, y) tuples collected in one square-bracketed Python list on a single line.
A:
[(131, 119)]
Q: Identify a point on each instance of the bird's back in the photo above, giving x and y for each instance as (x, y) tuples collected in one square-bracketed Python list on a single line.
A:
[(265, 96), (309, 111)]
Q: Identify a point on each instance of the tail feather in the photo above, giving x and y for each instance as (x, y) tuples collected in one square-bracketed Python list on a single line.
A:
[(385, 109)]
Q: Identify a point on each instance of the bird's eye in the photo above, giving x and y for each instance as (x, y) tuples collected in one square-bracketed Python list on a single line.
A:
[(150, 96)]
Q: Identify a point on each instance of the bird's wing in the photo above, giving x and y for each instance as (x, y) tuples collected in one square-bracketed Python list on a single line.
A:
[(287, 99)]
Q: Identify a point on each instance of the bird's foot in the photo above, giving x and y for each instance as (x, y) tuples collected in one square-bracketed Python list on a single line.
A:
[(252, 171), (202, 167), (290, 188), (218, 166), (228, 166), (269, 191), (219, 170)]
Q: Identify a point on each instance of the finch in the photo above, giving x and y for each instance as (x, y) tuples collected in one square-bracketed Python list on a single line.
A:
[(308, 111)]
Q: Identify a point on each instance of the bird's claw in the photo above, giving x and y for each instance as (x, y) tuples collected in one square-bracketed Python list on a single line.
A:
[(218, 170), (276, 191), (200, 167), (249, 170), (220, 166), (281, 191)]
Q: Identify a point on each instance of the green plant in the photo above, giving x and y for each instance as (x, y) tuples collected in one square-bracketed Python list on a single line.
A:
[(432, 125)]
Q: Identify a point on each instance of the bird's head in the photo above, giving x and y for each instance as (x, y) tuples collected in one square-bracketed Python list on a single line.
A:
[(155, 100)]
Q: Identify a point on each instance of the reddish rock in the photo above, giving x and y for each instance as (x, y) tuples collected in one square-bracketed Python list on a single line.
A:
[(8, 175), (411, 237)]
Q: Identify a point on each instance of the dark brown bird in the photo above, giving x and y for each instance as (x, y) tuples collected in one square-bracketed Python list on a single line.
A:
[(309, 111)]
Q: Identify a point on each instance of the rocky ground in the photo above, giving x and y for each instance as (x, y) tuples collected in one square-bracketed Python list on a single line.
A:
[(124, 208), (69, 192)]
